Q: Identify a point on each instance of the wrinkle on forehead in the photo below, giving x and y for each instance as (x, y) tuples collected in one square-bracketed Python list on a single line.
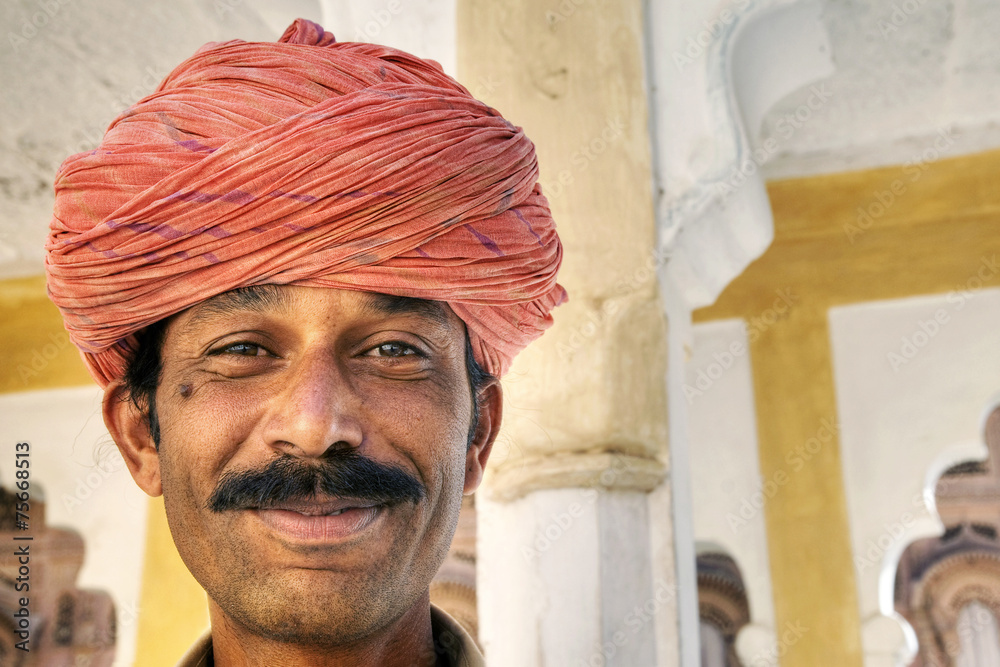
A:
[(387, 304), (252, 298), (260, 298)]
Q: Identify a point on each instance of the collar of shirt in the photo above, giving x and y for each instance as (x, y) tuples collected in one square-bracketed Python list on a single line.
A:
[(453, 645)]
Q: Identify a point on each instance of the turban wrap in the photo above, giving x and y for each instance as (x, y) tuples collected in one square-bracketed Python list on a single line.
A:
[(303, 162)]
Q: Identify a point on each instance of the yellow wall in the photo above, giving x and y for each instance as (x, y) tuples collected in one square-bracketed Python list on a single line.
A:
[(37, 351), (928, 229)]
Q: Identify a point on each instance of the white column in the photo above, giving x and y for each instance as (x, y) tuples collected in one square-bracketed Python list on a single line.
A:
[(978, 636), (564, 574)]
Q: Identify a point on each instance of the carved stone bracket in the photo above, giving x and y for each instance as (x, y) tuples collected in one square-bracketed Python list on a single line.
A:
[(711, 83)]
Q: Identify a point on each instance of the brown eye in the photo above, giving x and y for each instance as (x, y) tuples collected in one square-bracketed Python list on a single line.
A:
[(393, 349), (244, 350)]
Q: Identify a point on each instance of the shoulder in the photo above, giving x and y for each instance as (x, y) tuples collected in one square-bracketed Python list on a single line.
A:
[(200, 653), (451, 640)]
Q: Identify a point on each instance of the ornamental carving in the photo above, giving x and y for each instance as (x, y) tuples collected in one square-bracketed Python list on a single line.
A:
[(722, 600), (938, 577)]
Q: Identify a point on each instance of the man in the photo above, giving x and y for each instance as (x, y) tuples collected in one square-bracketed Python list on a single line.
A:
[(297, 269)]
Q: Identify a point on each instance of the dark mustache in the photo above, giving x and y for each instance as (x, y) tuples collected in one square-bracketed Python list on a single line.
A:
[(343, 472)]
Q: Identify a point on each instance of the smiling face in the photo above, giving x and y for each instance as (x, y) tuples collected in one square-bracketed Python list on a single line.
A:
[(314, 446)]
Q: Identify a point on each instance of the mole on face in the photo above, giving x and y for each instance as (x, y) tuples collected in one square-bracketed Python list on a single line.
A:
[(185, 390)]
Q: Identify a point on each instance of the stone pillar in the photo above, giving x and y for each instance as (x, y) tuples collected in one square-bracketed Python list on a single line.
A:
[(575, 562)]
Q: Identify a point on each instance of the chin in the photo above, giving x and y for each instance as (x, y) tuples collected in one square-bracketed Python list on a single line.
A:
[(299, 609)]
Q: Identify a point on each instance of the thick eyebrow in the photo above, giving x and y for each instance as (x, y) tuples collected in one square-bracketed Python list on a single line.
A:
[(387, 304), (255, 298)]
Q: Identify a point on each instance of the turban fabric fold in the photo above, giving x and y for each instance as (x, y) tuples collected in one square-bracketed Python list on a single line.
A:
[(303, 162)]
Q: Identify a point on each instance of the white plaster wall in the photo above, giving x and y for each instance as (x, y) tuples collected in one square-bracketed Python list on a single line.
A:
[(728, 491), (86, 488), (914, 381), (425, 28), (904, 70)]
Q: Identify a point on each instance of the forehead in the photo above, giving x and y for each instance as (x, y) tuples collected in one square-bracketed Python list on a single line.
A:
[(288, 298)]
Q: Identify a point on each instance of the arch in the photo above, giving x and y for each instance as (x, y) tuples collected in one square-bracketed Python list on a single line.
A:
[(937, 577), (722, 600), (949, 586)]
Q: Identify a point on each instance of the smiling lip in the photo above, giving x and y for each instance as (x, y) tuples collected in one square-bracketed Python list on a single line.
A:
[(315, 521)]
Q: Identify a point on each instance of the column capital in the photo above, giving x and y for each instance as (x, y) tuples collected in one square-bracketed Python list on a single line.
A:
[(607, 470)]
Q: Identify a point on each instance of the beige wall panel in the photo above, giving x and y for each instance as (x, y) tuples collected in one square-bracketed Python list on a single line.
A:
[(571, 74)]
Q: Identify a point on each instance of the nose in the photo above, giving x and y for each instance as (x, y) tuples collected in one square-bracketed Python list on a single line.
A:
[(315, 410)]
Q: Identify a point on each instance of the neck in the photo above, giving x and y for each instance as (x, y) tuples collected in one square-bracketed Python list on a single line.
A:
[(408, 642)]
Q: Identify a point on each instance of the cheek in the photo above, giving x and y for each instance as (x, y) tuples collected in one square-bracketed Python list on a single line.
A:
[(200, 431), (437, 417), (427, 424)]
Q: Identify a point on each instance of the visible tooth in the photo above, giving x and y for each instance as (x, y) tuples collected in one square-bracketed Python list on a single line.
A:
[(337, 512)]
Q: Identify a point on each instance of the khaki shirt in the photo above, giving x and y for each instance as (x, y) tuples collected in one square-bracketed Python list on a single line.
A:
[(450, 640)]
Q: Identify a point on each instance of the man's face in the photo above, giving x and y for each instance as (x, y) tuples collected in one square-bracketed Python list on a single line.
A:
[(258, 390)]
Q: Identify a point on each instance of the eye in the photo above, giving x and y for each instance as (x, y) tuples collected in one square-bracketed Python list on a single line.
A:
[(242, 349), (393, 349)]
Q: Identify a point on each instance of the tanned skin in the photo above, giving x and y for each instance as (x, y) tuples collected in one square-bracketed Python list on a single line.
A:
[(304, 375)]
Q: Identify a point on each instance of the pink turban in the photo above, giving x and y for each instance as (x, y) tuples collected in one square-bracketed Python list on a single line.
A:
[(303, 162)]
